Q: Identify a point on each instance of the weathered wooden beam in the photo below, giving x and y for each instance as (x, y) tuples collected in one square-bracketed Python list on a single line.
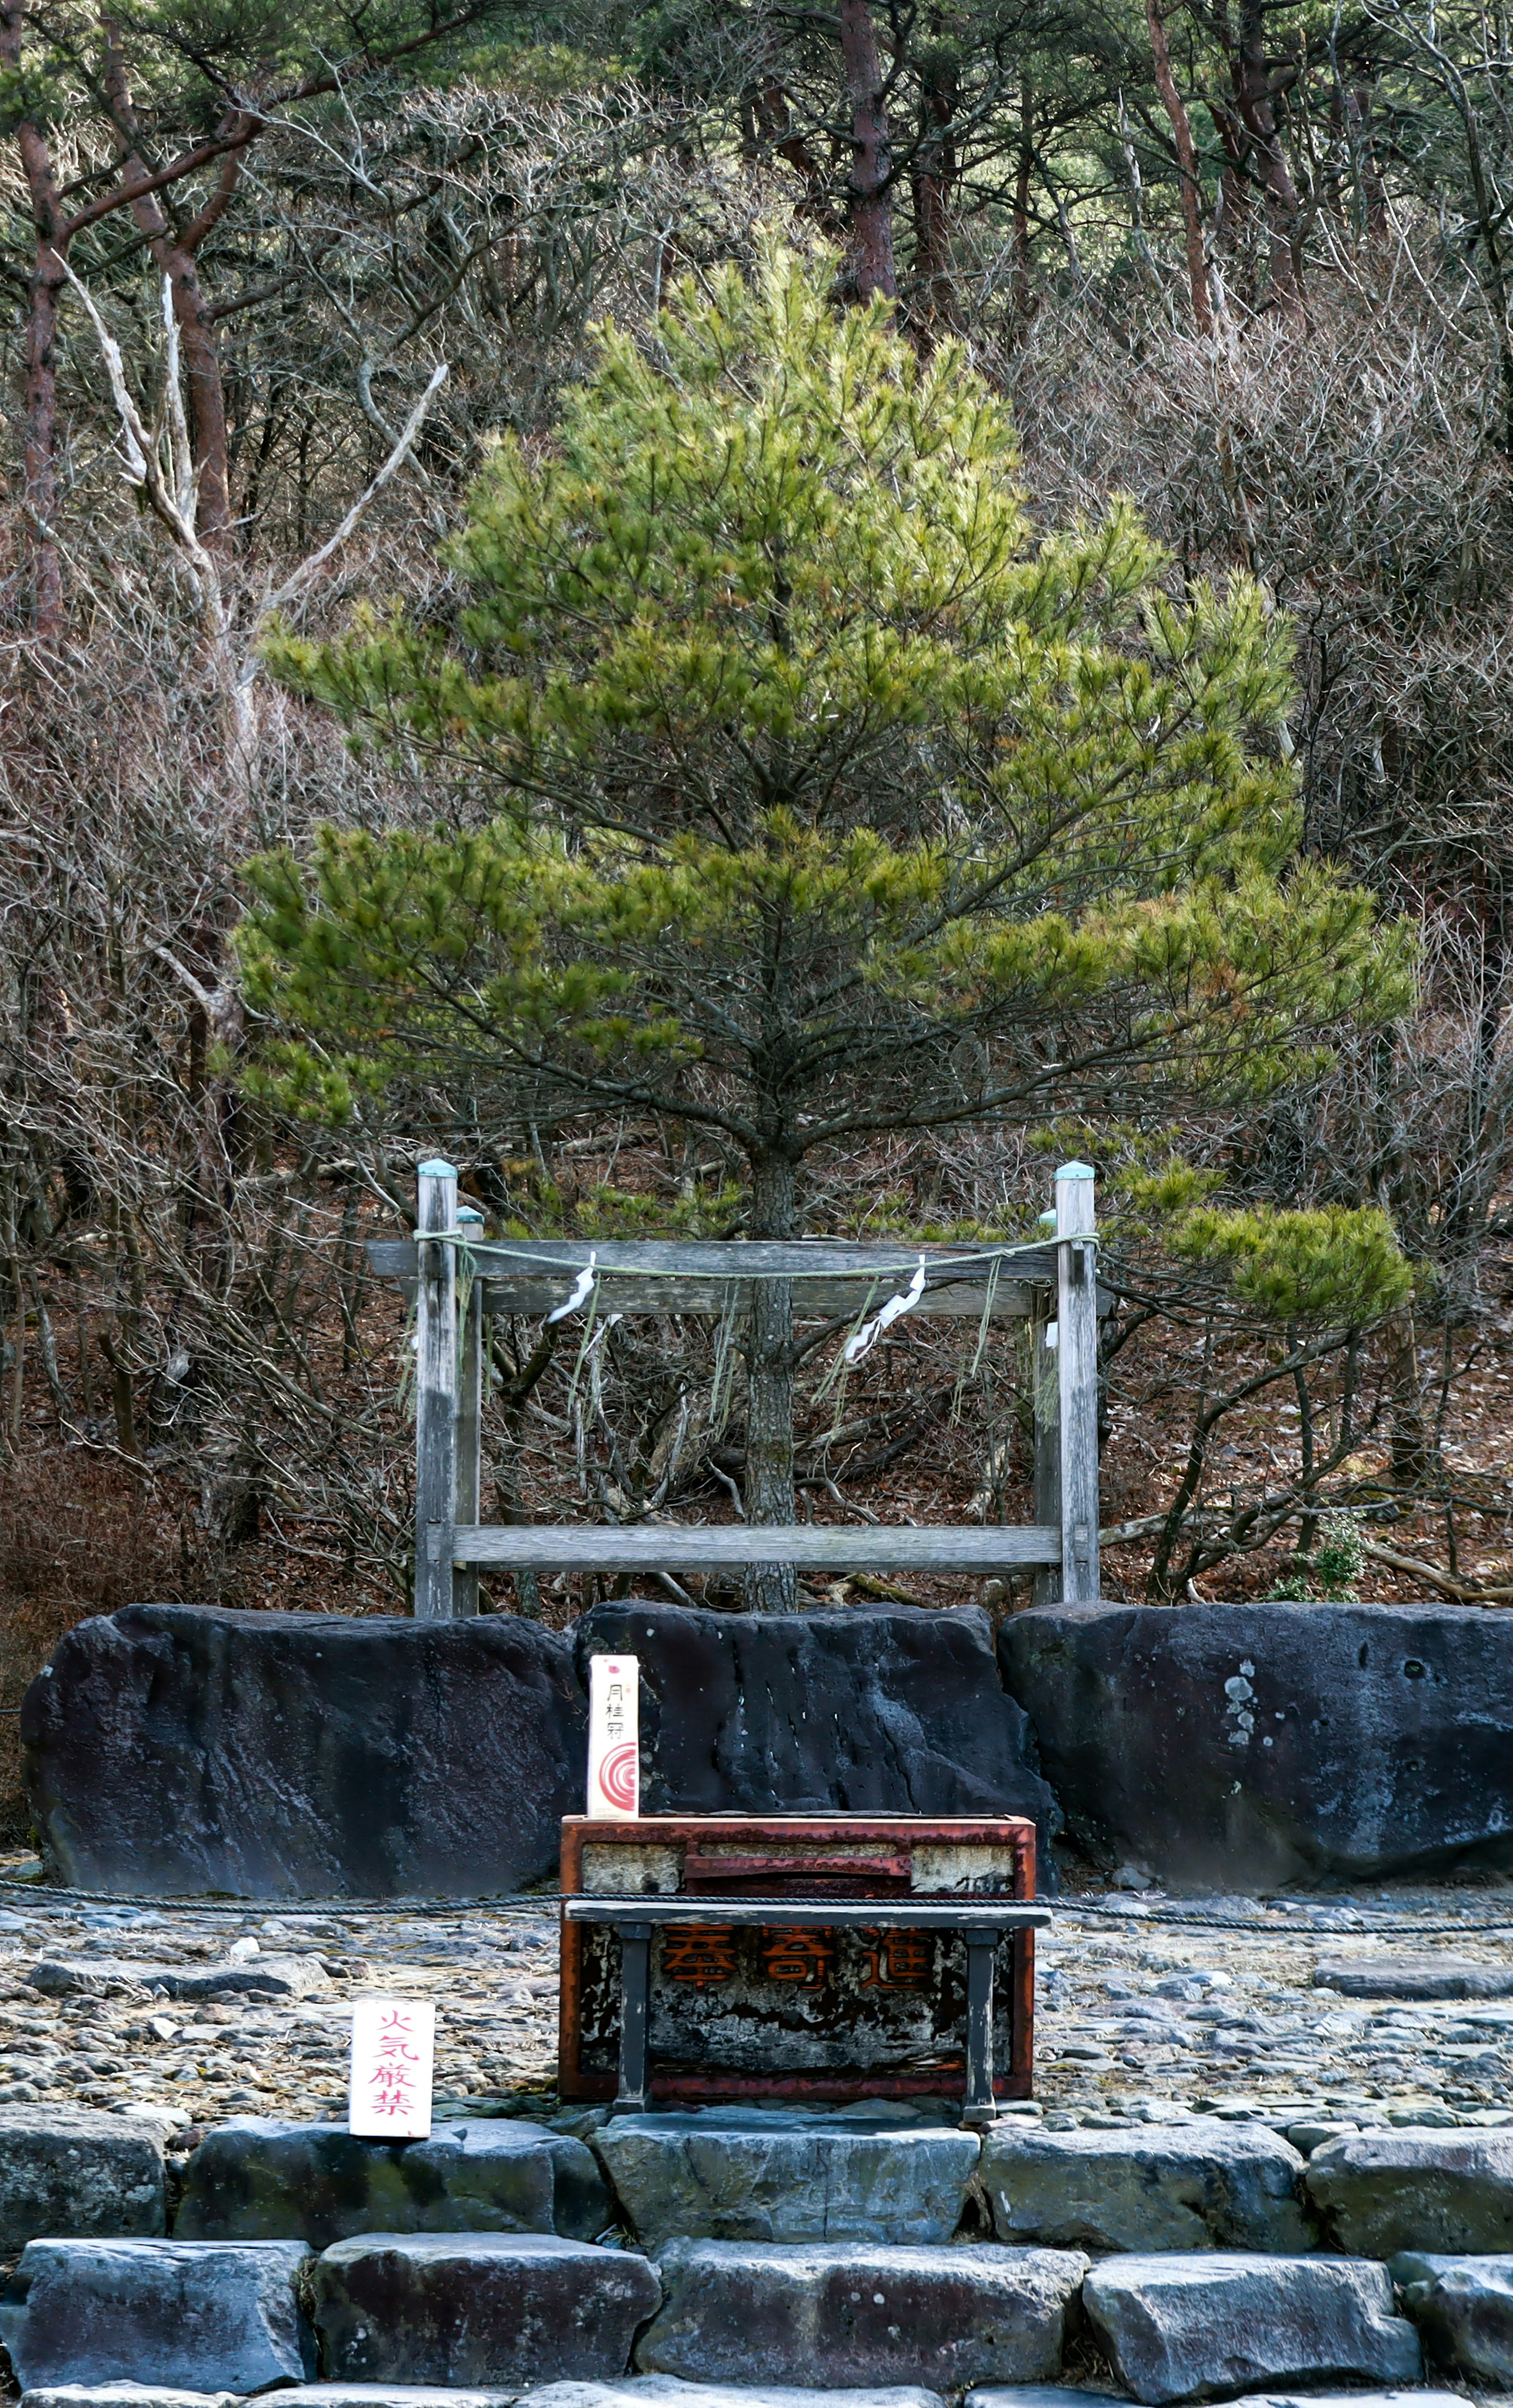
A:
[(435, 1393), (1076, 1352), (1046, 1414), (912, 1912), (696, 1279), (464, 1578), (872, 1547)]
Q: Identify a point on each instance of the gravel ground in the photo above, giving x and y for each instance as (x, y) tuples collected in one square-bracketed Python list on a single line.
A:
[(1145, 2006), (1213, 2005)]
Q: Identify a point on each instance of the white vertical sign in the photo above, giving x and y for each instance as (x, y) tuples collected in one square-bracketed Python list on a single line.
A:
[(393, 2047), (614, 1737)]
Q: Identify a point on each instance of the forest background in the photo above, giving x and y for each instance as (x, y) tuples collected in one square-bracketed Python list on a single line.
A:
[(1246, 264)]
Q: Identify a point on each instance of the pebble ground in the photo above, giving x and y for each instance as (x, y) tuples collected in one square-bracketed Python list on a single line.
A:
[(1148, 2008)]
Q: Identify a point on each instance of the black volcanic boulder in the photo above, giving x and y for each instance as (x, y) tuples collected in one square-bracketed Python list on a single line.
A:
[(1249, 1747), (895, 1710), (179, 1749)]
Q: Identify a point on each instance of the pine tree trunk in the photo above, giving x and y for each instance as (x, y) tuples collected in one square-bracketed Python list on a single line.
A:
[(1256, 109), (1187, 161), (933, 304), (771, 1589), (871, 189)]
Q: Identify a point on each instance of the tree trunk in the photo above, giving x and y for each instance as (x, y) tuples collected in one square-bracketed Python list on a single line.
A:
[(40, 408), (1019, 295), (871, 188), (173, 251), (1233, 208), (771, 1589), (1252, 86), (1410, 1448), (1356, 105), (934, 302), (1187, 161)]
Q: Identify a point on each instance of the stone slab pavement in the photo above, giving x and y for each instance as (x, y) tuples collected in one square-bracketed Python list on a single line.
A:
[(1147, 2007)]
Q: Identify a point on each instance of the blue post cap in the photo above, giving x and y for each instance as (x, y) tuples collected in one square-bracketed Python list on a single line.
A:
[(1046, 1220), (435, 1169), (469, 1212), (1076, 1170)]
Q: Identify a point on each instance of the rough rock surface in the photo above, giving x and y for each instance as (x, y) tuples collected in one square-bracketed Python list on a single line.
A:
[(1033, 2394), (729, 2174), (104, 1977), (1382, 2192), (174, 1748), (1350, 2400), (1201, 2185), (1313, 1739), (481, 2308), (1464, 2307), (1204, 2327), (260, 2177), (384, 2395), (893, 1710), (845, 2314), (125, 2395), (666, 2391), (1438, 1974), (205, 2316), (72, 2173)]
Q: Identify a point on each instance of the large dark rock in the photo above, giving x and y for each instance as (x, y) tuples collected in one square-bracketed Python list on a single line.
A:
[(892, 1711), (280, 1755), (73, 2171), (264, 2178), (466, 2308), (1247, 1747), (850, 2315)]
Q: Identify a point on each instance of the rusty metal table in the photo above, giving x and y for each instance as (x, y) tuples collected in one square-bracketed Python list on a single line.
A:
[(982, 1924)]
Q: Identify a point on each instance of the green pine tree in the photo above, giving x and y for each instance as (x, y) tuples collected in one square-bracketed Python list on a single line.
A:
[(834, 798)]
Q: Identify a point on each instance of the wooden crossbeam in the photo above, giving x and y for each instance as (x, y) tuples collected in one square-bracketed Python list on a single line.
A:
[(1053, 1283), (648, 1278), (585, 1546)]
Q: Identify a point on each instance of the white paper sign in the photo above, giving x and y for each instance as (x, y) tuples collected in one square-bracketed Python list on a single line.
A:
[(614, 1737), (394, 2046)]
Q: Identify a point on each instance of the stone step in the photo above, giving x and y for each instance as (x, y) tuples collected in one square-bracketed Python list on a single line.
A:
[(383, 2395), (1202, 2184), (1463, 2308), (1060, 2396), (1380, 2193), (76, 2171), (1191, 2325), (261, 2177), (478, 2309), (300, 2395), (668, 2391), (787, 2176), (208, 2317), (844, 2314), (126, 2395)]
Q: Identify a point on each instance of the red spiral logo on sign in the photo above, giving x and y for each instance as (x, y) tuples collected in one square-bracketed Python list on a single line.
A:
[(617, 1779)]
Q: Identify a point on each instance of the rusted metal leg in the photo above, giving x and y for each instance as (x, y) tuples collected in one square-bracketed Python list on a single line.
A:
[(979, 2106), (634, 1989)]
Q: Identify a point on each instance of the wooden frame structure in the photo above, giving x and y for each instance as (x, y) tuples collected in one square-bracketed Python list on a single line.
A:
[(1052, 1285)]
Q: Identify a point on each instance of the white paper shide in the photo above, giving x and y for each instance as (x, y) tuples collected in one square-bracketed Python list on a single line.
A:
[(614, 1737), (393, 2050)]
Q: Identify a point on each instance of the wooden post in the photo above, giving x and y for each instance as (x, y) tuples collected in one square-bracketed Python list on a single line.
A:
[(464, 1578), (1076, 1352), (1046, 1420), (435, 1394)]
